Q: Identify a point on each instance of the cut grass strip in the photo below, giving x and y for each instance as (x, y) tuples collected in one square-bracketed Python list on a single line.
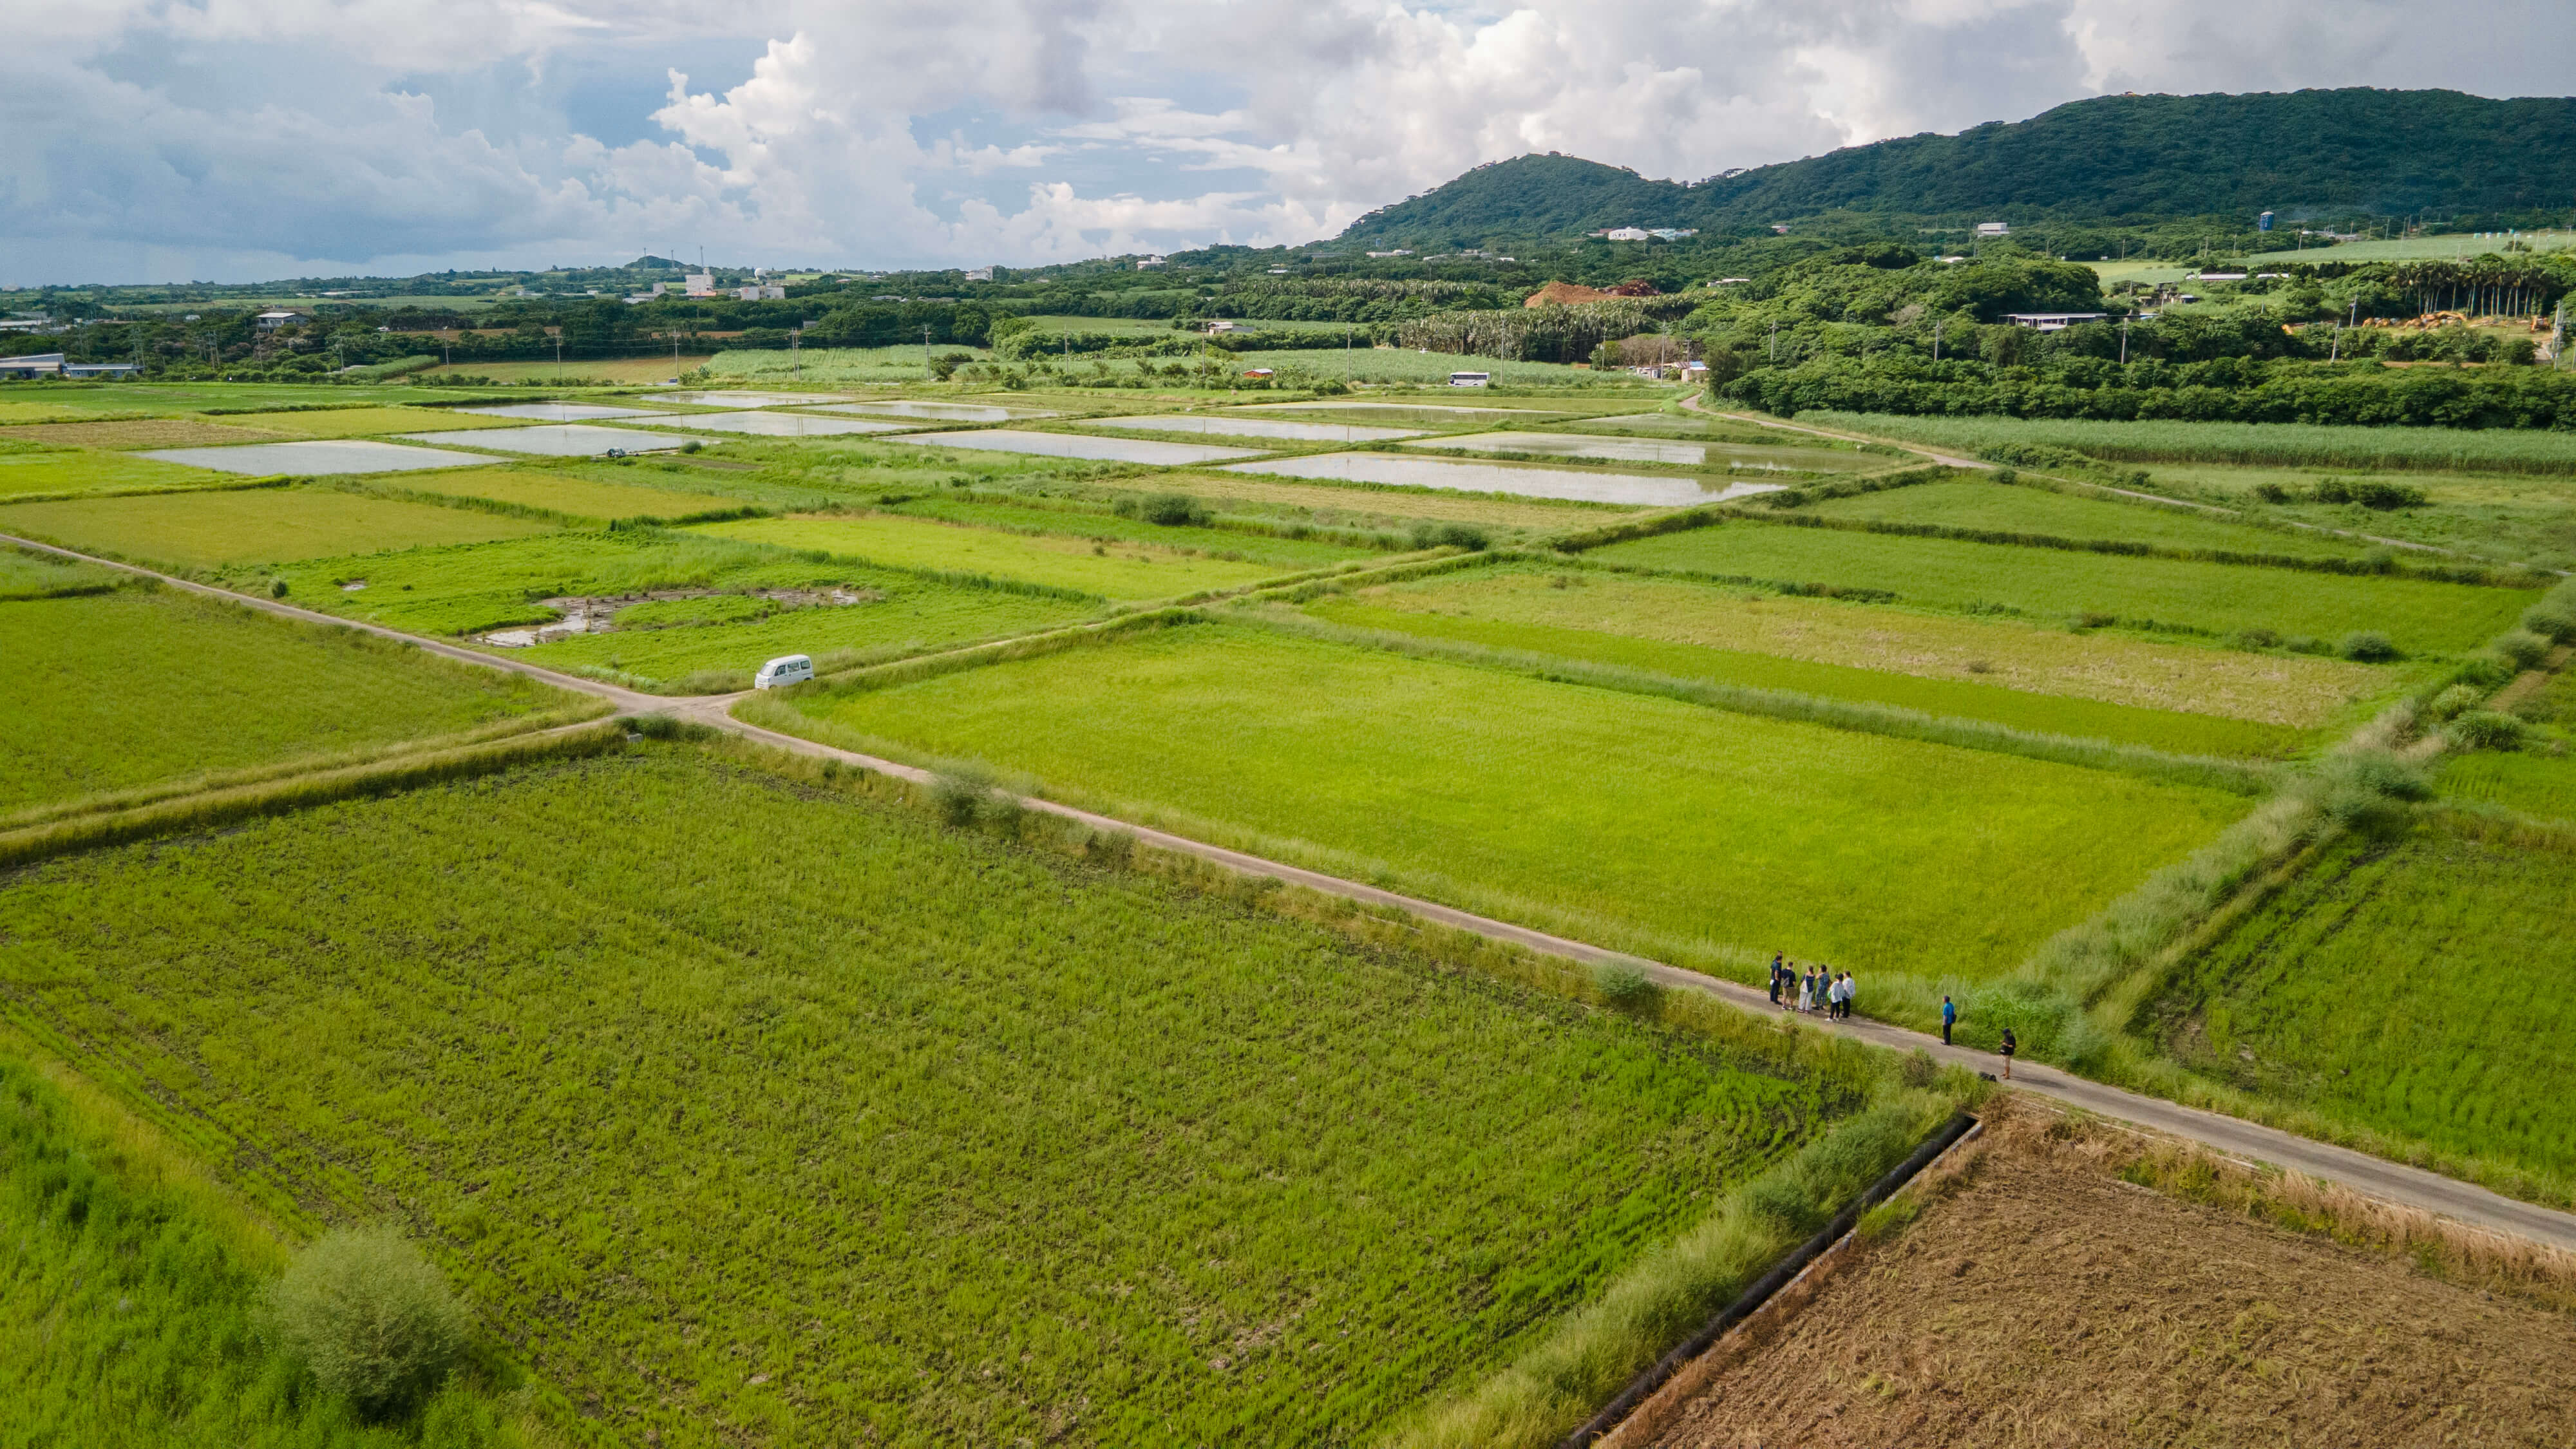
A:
[(68, 472), (1129, 572), (211, 529)]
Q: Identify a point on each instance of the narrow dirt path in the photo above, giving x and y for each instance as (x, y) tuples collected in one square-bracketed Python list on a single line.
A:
[(2391, 1181)]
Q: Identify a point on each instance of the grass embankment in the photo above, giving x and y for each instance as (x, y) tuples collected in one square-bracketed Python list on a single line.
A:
[(1989, 657), (1129, 572), (31, 574), (143, 686), (2494, 450), (2004, 508), (2419, 987), (938, 1139), (699, 602), (1691, 834), (64, 471), (2417, 615), (130, 1311), (208, 530)]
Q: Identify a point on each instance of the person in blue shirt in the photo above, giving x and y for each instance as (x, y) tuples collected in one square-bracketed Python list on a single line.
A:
[(1949, 1018)]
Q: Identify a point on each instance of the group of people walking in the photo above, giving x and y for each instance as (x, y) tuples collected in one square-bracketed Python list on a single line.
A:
[(1817, 989)]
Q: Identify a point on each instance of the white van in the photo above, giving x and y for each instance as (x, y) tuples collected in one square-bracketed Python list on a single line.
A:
[(783, 670), (1470, 379)]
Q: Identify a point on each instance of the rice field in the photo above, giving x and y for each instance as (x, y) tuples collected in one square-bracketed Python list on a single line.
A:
[(1620, 819), (2492, 450), (2423, 987), (70, 471), (623, 370), (2533, 782), (142, 686), (574, 497), (1287, 554), (1961, 698), (30, 574), (1128, 572), (832, 366), (215, 529), (135, 433), (2421, 617), (2003, 508), (362, 422), (2509, 517), (1364, 505), (986, 1147), (2290, 691)]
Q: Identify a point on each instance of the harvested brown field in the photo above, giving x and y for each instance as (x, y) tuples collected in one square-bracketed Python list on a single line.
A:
[(140, 433), (2041, 1299)]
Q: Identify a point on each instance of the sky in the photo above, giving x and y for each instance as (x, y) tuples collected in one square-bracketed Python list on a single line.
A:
[(243, 140)]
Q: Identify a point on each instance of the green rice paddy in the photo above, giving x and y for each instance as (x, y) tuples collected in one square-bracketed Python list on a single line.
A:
[(2534, 783), (367, 422), (2223, 599), (1287, 555), (212, 529), (2423, 987), (760, 1114), (576, 497), (1129, 571), (142, 686), (82, 470), (1620, 819), (2001, 508), (2510, 450)]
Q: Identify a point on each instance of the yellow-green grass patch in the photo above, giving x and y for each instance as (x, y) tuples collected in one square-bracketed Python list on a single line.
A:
[(2420, 616), (364, 422), (252, 525), (621, 370), (2507, 516), (139, 686), (1124, 571), (141, 433), (80, 470), (1354, 505), (1628, 820), (577, 497), (2292, 691), (2005, 508), (2533, 782)]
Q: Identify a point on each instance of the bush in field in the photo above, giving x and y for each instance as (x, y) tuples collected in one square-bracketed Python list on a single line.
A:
[(2552, 618), (2367, 646), (1171, 510), (2455, 701), (1451, 535), (959, 794), (2522, 649), (370, 1317), (2369, 791), (1628, 988), (2485, 729)]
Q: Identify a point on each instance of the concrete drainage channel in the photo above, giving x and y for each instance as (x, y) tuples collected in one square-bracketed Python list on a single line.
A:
[(1602, 1426)]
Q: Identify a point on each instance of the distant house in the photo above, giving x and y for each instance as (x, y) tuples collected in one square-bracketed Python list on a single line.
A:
[(980, 274), (763, 293), (1398, 252), (42, 364), (1149, 262), (27, 324), (1994, 228), (1674, 233), (100, 369), (1626, 233), (282, 317), (2052, 321), (699, 284), (1220, 324), (1730, 281), (2217, 276)]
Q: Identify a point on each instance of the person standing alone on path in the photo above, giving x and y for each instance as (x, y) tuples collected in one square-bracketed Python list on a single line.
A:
[(2010, 1046), (1949, 1018)]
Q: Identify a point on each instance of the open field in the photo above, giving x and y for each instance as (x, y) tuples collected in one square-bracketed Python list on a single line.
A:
[(576, 497), (2001, 508), (832, 366), (2284, 690), (1286, 554), (679, 603), (2419, 616), (1614, 817), (2044, 1297), (21, 403), (137, 433), (1132, 571), (989, 1147), (140, 686), (622, 370), (2499, 450), (83, 471), (363, 422), (1361, 505), (2422, 986), (1957, 698), (252, 525), (1398, 365), (2513, 517)]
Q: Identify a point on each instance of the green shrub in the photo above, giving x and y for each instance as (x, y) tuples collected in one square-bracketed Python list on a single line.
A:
[(370, 1317), (959, 794), (1451, 535), (2367, 646), (2551, 619), (2485, 729), (277, 588), (2258, 638), (2368, 790), (1171, 510), (1627, 987), (2271, 493), (2521, 648), (2455, 701), (2386, 496)]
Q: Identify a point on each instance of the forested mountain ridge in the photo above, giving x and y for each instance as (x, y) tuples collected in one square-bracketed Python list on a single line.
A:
[(2338, 152)]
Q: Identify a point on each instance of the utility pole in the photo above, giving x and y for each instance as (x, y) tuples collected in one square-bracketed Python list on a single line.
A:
[(926, 369), (796, 351), (2124, 342), (559, 359), (1774, 354), (1936, 341)]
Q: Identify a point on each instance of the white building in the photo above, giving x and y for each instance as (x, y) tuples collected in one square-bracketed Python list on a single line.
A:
[(700, 284), (767, 292), (271, 321), (1994, 228), (2052, 321), (1626, 233), (980, 274), (1149, 262)]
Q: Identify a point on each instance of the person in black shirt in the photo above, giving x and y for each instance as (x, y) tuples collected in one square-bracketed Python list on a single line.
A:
[(2010, 1045)]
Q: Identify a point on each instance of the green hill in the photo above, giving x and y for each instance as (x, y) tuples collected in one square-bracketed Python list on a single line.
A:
[(2336, 152)]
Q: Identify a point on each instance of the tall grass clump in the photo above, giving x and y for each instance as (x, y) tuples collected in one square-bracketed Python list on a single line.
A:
[(370, 1317)]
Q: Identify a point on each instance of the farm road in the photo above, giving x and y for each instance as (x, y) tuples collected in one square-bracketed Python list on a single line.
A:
[(2390, 1181)]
